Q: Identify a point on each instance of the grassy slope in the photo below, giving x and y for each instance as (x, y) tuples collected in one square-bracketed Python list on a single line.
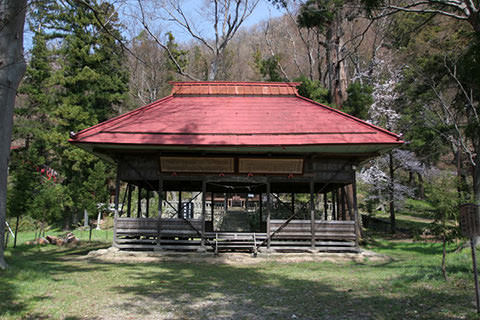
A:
[(50, 282)]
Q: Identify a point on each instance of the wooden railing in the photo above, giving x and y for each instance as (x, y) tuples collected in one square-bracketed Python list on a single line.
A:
[(151, 233), (324, 230)]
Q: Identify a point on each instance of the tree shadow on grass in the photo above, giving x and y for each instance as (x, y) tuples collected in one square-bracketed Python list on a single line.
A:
[(206, 291), (28, 264)]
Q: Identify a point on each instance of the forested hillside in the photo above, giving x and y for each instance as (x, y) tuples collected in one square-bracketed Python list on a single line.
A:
[(412, 69)]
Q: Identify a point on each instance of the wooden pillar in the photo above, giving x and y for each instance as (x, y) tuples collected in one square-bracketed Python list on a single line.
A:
[(246, 201), (204, 197), (160, 198), (129, 201), (334, 201), (339, 207), (325, 206), (179, 205), (212, 199), (349, 201), (139, 202), (312, 212), (160, 209), (117, 195), (225, 202), (148, 204), (358, 230), (268, 214), (293, 202), (260, 211)]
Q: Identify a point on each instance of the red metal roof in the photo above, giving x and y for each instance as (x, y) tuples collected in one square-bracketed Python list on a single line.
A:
[(235, 114)]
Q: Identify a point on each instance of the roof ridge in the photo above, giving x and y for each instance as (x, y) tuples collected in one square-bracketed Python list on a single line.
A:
[(231, 88)]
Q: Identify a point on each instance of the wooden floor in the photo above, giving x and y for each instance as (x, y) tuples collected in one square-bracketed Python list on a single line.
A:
[(186, 235)]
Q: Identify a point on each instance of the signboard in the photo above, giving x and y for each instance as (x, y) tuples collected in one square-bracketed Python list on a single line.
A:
[(197, 165), (469, 220), (272, 166)]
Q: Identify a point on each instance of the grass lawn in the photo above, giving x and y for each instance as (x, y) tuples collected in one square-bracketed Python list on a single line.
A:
[(53, 283)]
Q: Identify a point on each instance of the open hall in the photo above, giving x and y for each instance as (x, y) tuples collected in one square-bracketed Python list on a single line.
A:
[(236, 166)]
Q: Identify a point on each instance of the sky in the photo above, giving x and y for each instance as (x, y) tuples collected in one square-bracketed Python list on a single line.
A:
[(195, 10), (262, 12)]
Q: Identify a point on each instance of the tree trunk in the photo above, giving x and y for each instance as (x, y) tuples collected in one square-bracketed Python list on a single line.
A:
[(476, 180), (16, 232), (99, 217), (391, 194), (444, 255), (12, 68), (421, 187), (85, 218), (213, 72)]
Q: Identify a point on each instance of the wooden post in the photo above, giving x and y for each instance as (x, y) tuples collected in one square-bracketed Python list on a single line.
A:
[(160, 209), (139, 202), (179, 205), (160, 198), (268, 214), (342, 203), (325, 206), (148, 204), (260, 211), (349, 201), (225, 202), (115, 217), (293, 202), (334, 202), (129, 201), (312, 213), (358, 229), (204, 196), (212, 199)]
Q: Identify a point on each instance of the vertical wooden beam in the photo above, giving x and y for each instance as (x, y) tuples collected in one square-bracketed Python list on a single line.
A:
[(204, 197), (139, 202), (117, 195), (342, 202), (293, 202), (312, 213), (212, 199), (268, 214), (325, 206), (148, 204), (179, 205), (129, 201), (358, 230), (160, 198), (334, 202), (225, 202), (160, 209), (260, 211), (349, 201)]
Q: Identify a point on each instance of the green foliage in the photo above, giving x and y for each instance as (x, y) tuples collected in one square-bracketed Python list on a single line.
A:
[(418, 207), (359, 100), (312, 89), (180, 56), (25, 179), (96, 188), (267, 67), (443, 198), (50, 202), (318, 13), (76, 78)]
